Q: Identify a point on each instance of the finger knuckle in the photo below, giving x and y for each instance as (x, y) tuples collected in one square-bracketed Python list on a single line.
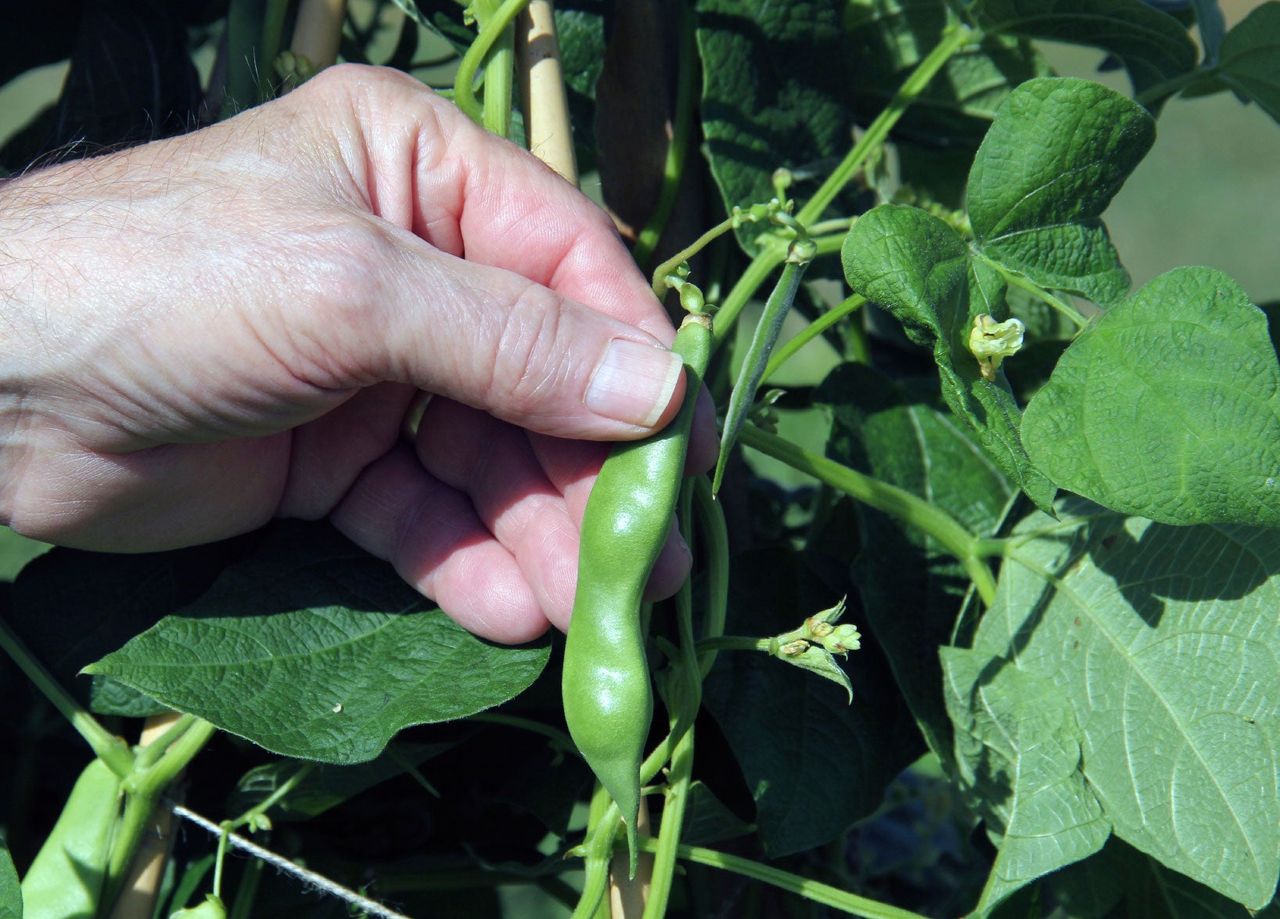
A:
[(530, 357)]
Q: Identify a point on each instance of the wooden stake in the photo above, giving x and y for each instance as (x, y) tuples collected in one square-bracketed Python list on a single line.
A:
[(318, 31), (546, 105)]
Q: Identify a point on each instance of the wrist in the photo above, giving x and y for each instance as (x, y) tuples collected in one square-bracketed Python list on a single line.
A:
[(28, 207)]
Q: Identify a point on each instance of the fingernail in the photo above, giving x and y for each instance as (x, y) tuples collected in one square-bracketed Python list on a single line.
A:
[(634, 382)]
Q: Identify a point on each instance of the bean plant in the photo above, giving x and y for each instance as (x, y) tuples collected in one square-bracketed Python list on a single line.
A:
[(984, 616)]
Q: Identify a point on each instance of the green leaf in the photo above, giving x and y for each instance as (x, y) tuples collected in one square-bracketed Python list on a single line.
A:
[(1018, 751), (1153, 45), (888, 38), (707, 821), (814, 763), (325, 787), (1122, 881), (16, 551), (774, 93), (918, 268), (1058, 151), (1163, 641), (1168, 406), (314, 649), (10, 890), (1250, 58), (899, 434)]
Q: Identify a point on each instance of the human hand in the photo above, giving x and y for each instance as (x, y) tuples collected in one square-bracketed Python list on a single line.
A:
[(210, 331)]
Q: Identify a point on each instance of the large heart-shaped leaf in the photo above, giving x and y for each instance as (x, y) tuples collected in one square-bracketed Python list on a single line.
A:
[(1163, 641), (1057, 153), (1168, 407), (314, 649)]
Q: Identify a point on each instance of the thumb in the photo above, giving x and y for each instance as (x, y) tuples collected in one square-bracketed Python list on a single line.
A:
[(499, 342)]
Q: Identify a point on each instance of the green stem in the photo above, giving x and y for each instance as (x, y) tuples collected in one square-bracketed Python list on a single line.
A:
[(559, 738), (106, 746), (499, 72), (151, 753), (896, 502), (954, 38), (247, 892), (244, 38), (1022, 282), (788, 349), (825, 894), (659, 279), (602, 828), (272, 799), (678, 150), (1166, 88), (143, 789), (464, 95), (992, 547), (732, 643), (679, 780), (272, 34)]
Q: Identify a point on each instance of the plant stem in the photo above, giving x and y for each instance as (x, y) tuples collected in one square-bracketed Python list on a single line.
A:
[(272, 799), (272, 33), (142, 790), (954, 38), (679, 780), (106, 746), (1022, 282), (602, 827), (816, 891), (659, 279), (464, 95), (499, 72), (993, 547), (244, 37), (788, 349), (152, 752), (895, 501), (732, 643), (678, 150), (1166, 88)]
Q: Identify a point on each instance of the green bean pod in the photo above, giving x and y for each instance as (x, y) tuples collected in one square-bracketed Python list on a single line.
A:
[(65, 879), (608, 702)]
